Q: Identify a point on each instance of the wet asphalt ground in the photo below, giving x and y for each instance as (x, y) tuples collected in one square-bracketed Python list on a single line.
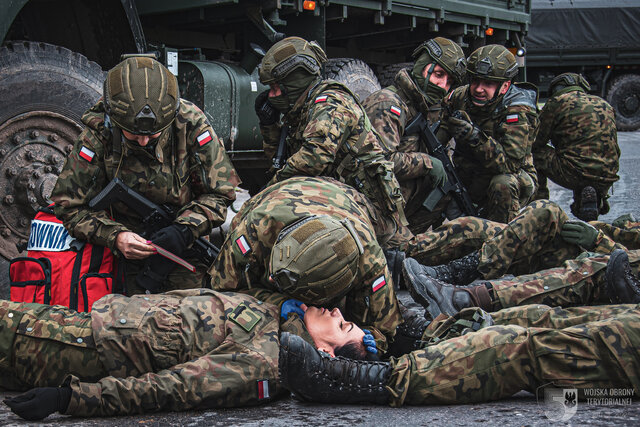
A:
[(523, 409)]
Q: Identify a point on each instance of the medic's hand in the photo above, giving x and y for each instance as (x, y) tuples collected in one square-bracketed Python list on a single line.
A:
[(39, 403), (133, 246), (369, 342), (579, 233), (462, 128), (292, 306)]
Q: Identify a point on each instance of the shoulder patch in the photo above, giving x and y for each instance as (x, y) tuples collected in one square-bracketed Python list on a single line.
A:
[(321, 98), (204, 138), (395, 110), (513, 118), (263, 389), (243, 245), (378, 284), (244, 317), (86, 154)]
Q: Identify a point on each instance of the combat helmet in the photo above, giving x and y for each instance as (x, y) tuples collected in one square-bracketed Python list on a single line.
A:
[(492, 62), (289, 54), (566, 80), (316, 258), (141, 95), (446, 53)]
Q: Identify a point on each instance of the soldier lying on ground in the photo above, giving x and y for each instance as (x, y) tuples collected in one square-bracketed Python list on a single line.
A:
[(187, 349), (164, 148)]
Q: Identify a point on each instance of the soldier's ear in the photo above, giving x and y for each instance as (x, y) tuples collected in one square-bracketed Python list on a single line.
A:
[(505, 87), (327, 350)]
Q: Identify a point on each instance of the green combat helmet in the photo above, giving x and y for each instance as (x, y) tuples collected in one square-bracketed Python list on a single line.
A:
[(141, 95), (492, 62), (289, 54), (316, 258), (569, 81), (445, 53)]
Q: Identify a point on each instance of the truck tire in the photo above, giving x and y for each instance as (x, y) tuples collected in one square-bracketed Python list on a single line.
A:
[(387, 73), (624, 97), (355, 74), (44, 90)]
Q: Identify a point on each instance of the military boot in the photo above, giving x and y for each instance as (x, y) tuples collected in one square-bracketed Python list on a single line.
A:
[(394, 264), (409, 333), (622, 285), (438, 297), (588, 210), (317, 377), (461, 271)]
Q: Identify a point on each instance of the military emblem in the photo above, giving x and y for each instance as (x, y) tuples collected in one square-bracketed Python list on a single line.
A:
[(243, 245), (395, 110), (244, 317), (263, 389), (204, 138), (378, 284), (86, 154), (321, 98), (512, 118)]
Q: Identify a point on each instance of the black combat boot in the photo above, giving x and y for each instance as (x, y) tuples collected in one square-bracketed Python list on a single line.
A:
[(317, 377), (438, 297), (409, 333), (461, 271), (588, 210), (394, 264), (622, 285)]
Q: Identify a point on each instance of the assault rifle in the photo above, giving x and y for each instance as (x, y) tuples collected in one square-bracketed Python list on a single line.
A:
[(154, 217), (281, 154), (453, 185)]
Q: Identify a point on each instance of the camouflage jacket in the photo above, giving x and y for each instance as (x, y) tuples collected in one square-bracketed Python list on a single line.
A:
[(243, 263), (390, 111), (508, 132), (187, 169), (582, 128), (181, 350), (330, 135)]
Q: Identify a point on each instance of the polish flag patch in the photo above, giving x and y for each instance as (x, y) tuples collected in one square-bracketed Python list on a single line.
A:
[(512, 118), (86, 154), (321, 98), (263, 389), (378, 284), (395, 110), (204, 137), (243, 245)]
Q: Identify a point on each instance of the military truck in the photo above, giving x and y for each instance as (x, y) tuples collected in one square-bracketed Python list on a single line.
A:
[(600, 39), (54, 54)]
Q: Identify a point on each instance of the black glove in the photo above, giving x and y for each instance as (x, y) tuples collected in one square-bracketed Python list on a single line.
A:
[(267, 114), (174, 238), (38, 403), (462, 127)]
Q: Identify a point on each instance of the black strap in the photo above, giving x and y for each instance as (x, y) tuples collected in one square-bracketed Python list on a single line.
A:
[(75, 279)]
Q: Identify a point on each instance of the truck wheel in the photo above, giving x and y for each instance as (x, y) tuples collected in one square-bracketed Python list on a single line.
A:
[(355, 74), (624, 97), (387, 73), (44, 90)]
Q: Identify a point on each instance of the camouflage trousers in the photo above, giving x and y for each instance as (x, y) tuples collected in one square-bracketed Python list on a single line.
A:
[(178, 278), (528, 347)]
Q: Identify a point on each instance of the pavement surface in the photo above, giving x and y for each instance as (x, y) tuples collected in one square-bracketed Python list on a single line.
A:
[(523, 409)]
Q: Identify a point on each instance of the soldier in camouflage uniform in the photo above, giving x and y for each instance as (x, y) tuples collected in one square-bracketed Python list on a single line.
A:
[(526, 348), (187, 349), (584, 152), (326, 132), (494, 123), (439, 64), (162, 147), (311, 239)]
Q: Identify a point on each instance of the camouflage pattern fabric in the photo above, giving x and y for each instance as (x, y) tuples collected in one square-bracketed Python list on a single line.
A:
[(390, 110), (584, 144), (243, 262), (180, 350), (330, 135), (498, 170), (186, 169), (586, 347)]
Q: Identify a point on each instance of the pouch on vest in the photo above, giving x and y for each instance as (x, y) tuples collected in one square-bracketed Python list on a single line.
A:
[(60, 270)]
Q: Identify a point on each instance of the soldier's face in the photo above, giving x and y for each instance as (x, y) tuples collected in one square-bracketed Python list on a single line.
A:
[(485, 90), (274, 90), (141, 140), (439, 77), (329, 330)]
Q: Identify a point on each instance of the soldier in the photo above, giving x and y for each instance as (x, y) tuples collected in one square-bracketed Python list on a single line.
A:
[(311, 239), (584, 156), (187, 349), (439, 64), (494, 123), (160, 145), (324, 130)]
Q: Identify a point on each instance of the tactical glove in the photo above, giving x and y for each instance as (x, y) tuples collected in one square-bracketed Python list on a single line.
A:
[(369, 342), (39, 403), (622, 220), (462, 128), (291, 306), (266, 112), (437, 172), (174, 238), (579, 233)]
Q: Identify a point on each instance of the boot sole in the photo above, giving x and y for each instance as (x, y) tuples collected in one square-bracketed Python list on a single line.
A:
[(588, 204), (616, 260)]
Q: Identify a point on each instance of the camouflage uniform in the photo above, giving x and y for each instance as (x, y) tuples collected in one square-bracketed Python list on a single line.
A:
[(585, 150), (498, 171), (196, 179), (187, 349), (531, 346), (330, 135), (391, 110), (243, 262)]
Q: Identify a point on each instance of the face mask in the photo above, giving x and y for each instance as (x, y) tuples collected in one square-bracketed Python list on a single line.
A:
[(434, 93), (280, 103)]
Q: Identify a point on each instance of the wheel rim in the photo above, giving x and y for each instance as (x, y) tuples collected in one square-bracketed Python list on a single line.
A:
[(33, 148), (629, 106)]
